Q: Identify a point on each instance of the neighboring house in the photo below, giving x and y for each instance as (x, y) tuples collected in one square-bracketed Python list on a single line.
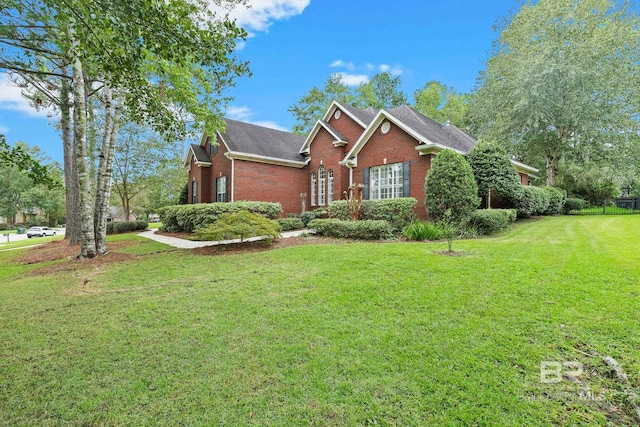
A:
[(116, 214), (20, 218), (388, 151)]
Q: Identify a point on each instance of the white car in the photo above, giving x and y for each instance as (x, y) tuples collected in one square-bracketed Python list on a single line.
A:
[(40, 232)]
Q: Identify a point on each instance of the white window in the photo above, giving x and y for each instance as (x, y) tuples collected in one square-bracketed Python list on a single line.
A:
[(221, 189), (329, 186), (322, 178), (313, 188), (386, 181)]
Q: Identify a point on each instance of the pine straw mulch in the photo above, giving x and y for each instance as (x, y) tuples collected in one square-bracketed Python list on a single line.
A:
[(261, 245), (61, 250)]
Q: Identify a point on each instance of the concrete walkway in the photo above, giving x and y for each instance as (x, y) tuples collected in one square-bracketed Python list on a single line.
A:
[(190, 244)]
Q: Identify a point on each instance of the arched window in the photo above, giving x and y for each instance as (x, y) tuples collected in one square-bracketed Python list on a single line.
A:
[(313, 188), (322, 180), (329, 186)]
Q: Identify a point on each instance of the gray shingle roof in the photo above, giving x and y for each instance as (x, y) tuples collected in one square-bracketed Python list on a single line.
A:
[(366, 116), (200, 153), (334, 131), (447, 135), (259, 140)]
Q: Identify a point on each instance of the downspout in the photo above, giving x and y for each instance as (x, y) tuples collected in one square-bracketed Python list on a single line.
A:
[(233, 179)]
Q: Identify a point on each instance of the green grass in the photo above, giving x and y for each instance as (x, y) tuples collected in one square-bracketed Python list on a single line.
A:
[(329, 335), (154, 225)]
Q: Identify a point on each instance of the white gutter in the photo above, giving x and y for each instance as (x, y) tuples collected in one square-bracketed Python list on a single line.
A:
[(265, 159)]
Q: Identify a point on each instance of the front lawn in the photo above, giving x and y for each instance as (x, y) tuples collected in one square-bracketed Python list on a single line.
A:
[(328, 335)]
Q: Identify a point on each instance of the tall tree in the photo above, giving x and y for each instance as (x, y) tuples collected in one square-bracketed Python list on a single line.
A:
[(442, 103), (563, 73), (310, 108), (382, 91), (160, 57)]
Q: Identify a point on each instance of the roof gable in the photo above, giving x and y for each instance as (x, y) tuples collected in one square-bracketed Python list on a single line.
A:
[(200, 155), (361, 117), (339, 139), (426, 131)]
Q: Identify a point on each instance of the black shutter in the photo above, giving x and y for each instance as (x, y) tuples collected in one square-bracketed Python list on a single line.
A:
[(226, 189), (365, 179), (406, 170)]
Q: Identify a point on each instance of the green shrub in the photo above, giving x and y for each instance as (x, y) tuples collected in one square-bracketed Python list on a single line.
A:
[(398, 212), (293, 215), (420, 230), (534, 201), (126, 226), (186, 218), (288, 224), (556, 200), (364, 230), (574, 204), (490, 221), (339, 209), (494, 171), (307, 216), (239, 225), (450, 186)]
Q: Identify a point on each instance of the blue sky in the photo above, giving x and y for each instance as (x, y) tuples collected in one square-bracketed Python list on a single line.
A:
[(296, 44)]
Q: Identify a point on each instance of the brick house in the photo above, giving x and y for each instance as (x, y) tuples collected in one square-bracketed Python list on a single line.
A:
[(388, 151)]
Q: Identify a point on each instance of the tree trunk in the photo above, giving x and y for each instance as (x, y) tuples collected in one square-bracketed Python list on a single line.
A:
[(72, 197), (489, 199), (87, 237), (552, 168), (105, 171)]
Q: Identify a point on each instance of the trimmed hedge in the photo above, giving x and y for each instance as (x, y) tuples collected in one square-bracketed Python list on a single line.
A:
[(397, 212), (574, 204), (126, 227), (534, 201), (288, 224), (492, 221), (556, 200), (364, 230), (307, 216), (186, 218)]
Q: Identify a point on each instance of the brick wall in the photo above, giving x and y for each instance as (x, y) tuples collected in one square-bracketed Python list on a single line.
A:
[(347, 128), (323, 152), (270, 183), (202, 174), (396, 146)]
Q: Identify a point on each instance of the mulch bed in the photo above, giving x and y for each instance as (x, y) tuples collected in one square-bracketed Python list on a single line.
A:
[(60, 250), (260, 246)]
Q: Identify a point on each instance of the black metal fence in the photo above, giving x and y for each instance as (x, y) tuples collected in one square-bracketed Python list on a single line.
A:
[(620, 206)]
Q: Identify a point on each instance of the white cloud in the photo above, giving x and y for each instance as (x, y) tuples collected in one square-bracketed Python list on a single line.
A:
[(244, 114), (358, 74), (4, 130), (353, 79), (238, 113), (270, 124), (339, 63), (395, 70), (11, 99), (258, 15)]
